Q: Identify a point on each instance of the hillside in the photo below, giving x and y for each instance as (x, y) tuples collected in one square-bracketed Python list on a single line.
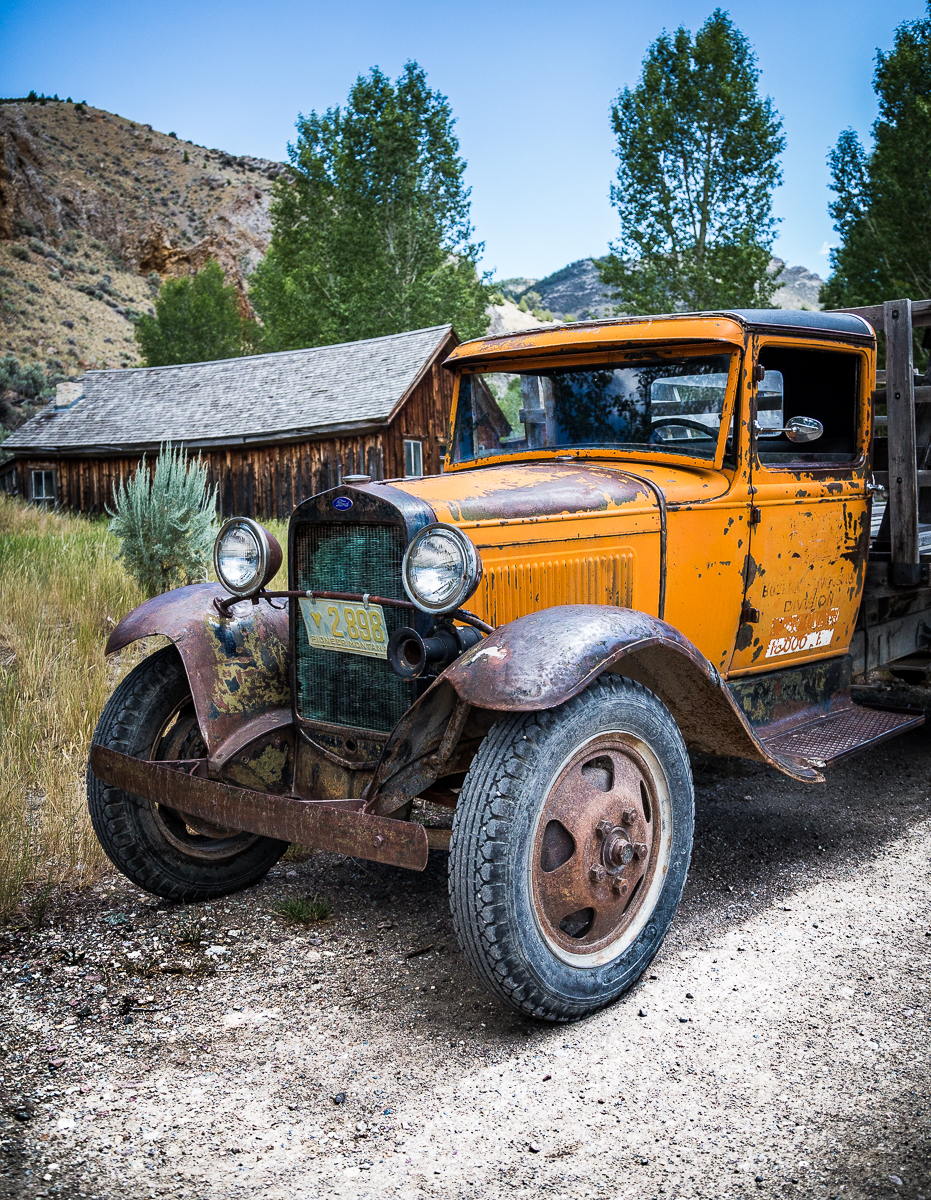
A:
[(95, 210)]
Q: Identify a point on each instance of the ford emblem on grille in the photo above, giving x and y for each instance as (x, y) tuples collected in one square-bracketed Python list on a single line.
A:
[(342, 502)]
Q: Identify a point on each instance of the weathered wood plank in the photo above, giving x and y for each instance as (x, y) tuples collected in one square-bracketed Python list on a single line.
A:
[(876, 314), (900, 405), (882, 478), (922, 395)]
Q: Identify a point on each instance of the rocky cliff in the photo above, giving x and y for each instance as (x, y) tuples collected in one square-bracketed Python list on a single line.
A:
[(95, 211)]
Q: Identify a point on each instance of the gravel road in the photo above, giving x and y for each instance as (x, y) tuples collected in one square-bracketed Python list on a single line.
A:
[(778, 1046)]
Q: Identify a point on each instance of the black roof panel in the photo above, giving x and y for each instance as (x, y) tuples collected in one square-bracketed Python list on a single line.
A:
[(801, 319)]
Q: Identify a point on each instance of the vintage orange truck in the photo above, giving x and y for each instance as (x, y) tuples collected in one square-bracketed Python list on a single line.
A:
[(651, 535)]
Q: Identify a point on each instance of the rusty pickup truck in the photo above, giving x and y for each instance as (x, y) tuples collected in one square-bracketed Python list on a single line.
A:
[(651, 536)]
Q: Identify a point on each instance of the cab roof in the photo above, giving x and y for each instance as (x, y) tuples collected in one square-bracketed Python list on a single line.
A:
[(730, 325)]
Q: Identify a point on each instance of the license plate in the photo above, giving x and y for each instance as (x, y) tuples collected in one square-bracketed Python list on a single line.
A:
[(346, 626)]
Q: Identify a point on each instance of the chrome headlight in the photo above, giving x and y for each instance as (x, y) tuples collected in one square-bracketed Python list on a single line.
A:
[(245, 556), (441, 569)]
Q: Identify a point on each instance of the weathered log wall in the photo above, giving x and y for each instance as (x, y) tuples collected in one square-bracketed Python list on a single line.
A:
[(269, 480)]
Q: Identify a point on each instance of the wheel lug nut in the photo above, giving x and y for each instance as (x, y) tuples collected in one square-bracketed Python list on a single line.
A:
[(602, 829), (596, 873), (640, 851), (629, 816), (620, 853), (619, 886)]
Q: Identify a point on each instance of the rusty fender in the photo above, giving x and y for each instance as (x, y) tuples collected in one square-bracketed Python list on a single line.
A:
[(544, 659), (335, 825), (238, 666)]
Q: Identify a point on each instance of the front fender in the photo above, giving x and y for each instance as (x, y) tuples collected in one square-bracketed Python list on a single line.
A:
[(544, 659), (238, 666), (547, 657)]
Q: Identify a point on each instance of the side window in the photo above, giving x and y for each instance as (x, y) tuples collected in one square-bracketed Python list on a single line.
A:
[(43, 486), (823, 384), (413, 459)]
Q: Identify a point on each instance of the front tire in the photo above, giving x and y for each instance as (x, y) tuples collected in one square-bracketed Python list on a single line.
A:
[(570, 847), (151, 715)]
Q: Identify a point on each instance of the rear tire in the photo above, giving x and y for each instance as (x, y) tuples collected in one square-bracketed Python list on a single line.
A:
[(151, 715), (570, 847)]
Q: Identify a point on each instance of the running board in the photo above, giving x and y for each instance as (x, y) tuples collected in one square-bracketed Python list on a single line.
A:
[(831, 736)]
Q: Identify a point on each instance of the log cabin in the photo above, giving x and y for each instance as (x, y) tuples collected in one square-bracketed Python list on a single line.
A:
[(271, 428)]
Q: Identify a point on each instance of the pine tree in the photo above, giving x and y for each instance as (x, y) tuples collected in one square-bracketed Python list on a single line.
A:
[(699, 159), (370, 228)]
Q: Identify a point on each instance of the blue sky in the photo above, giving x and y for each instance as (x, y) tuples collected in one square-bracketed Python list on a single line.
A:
[(530, 85)]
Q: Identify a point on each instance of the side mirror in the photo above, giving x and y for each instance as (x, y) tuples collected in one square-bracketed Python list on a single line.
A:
[(803, 429)]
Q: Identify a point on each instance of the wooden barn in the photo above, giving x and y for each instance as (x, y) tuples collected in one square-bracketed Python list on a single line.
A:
[(272, 428)]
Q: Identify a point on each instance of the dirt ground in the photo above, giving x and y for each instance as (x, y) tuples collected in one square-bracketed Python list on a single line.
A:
[(777, 1047)]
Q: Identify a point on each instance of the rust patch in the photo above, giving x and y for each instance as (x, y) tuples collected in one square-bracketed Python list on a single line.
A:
[(238, 667)]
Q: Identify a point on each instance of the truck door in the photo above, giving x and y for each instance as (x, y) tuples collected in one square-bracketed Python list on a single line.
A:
[(809, 522)]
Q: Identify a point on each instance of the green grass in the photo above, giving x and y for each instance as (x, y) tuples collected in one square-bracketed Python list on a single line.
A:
[(63, 591), (307, 910)]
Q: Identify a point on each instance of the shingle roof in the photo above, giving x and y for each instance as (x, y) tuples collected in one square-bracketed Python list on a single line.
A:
[(267, 396)]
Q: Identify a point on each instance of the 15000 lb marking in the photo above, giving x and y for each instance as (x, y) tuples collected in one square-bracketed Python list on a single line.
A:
[(803, 631)]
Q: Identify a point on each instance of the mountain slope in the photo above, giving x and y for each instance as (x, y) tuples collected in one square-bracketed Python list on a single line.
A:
[(95, 210), (576, 291)]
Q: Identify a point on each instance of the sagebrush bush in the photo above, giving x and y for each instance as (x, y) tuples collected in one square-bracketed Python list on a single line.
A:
[(165, 522)]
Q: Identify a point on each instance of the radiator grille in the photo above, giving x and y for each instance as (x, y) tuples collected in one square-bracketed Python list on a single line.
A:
[(347, 689), (512, 590)]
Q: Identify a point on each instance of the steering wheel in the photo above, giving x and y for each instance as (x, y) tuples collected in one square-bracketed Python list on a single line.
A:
[(661, 422)]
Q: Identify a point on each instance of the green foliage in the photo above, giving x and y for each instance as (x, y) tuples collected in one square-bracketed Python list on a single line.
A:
[(21, 253), (882, 209), (370, 227), (698, 149), (305, 910), (197, 319), (25, 382), (165, 522)]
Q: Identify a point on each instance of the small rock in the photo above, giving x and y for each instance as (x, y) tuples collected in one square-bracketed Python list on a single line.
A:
[(895, 1180), (547, 1078), (339, 1098), (56, 1062), (533, 1148), (689, 996), (642, 1012)]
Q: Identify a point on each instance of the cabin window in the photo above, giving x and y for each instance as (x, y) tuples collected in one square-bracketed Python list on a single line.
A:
[(413, 459), (43, 486), (824, 384)]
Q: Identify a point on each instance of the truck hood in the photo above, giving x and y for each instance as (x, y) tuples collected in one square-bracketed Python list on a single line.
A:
[(525, 491)]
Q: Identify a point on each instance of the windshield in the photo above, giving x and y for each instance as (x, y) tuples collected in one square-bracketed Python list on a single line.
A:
[(671, 405)]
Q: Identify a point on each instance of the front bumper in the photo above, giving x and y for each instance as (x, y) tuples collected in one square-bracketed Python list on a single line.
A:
[(336, 825)]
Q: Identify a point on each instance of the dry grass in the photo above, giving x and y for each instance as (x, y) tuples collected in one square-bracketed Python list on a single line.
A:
[(62, 592)]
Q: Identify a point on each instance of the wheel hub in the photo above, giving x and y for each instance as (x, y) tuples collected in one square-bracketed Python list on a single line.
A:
[(596, 847)]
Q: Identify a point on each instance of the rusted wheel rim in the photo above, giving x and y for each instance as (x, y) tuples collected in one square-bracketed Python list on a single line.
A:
[(599, 850), (178, 738)]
